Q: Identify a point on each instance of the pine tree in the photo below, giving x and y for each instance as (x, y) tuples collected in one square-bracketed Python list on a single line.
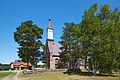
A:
[(70, 46), (28, 37)]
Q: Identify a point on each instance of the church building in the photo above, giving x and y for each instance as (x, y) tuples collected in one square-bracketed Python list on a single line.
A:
[(52, 49), (53, 52)]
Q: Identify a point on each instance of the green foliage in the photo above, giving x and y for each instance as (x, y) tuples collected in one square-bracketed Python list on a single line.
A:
[(96, 38), (102, 37), (28, 37), (102, 33), (43, 57), (5, 67), (70, 46)]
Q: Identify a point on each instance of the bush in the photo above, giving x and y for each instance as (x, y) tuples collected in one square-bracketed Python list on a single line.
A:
[(5, 67)]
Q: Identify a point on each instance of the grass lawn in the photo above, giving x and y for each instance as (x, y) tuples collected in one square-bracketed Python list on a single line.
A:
[(62, 76), (3, 74)]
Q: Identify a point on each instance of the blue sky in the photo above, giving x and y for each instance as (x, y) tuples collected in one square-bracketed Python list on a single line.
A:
[(13, 12)]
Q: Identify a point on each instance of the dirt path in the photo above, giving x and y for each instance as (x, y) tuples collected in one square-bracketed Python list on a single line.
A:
[(12, 76)]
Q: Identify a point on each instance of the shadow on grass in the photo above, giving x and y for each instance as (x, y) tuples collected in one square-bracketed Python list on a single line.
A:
[(79, 72)]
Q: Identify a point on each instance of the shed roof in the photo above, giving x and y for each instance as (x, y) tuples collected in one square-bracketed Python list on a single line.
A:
[(20, 63)]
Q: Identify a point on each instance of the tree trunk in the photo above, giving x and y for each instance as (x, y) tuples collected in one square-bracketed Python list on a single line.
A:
[(94, 67), (27, 63), (70, 65), (33, 61), (85, 62)]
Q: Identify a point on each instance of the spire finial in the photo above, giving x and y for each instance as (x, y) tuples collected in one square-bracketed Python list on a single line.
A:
[(49, 24), (49, 19)]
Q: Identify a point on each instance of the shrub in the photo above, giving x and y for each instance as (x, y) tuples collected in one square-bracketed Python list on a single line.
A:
[(5, 67)]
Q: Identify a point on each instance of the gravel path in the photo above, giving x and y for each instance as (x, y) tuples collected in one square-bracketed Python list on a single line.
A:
[(12, 76)]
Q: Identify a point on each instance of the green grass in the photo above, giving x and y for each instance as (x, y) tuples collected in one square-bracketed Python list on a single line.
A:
[(117, 74), (3, 74), (62, 76)]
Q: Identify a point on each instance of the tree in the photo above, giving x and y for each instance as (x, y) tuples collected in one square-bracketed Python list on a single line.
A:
[(43, 57), (90, 29), (101, 32), (70, 46), (28, 37), (95, 39), (109, 20)]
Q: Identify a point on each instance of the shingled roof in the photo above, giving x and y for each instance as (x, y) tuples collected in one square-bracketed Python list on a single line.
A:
[(55, 48)]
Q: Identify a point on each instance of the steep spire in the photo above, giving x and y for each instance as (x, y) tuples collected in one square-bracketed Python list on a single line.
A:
[(49, 24)]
